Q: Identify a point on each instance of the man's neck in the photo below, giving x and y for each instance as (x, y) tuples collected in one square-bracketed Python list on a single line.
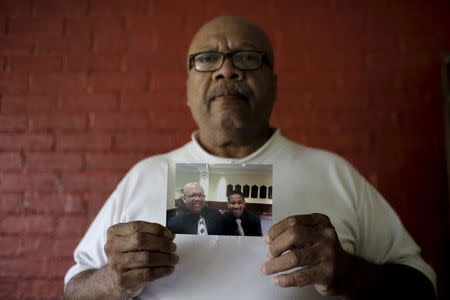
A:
[(234, 144)]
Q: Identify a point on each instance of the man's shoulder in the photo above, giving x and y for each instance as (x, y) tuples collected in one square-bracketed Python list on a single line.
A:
[(250, 215), (294, 153), (160, 160), (212, 211)]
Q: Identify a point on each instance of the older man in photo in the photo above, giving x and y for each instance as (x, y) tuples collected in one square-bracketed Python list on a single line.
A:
[(196, 218)]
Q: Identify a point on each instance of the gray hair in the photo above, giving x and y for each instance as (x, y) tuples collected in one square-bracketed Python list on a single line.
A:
[(191, 185)]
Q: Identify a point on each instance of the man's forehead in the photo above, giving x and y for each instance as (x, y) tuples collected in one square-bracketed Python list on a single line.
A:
[(235, 32)]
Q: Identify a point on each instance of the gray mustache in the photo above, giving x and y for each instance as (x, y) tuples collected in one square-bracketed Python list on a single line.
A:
[(232, 87)]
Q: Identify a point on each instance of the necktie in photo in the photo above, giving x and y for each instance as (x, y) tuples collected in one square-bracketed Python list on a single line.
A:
[(201, 229), (240, 229)]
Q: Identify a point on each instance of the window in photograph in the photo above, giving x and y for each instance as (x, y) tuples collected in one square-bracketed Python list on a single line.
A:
[(254, 191), (263, 192), (270, 192), (238, 187), (246, 190), (229, 189)]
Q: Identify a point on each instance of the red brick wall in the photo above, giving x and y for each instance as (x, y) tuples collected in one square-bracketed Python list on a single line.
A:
[(90, 87)]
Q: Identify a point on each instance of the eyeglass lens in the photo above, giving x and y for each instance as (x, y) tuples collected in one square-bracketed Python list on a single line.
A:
[(243, 60)]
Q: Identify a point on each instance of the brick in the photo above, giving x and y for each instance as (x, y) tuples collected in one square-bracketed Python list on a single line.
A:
[(94, 24), (118, 121), (13, 83), (84, 142), (27, 224), (45, 289), (26, 142), (15, 7), (75, 121), (11, 246), (95, 201), (75, 43), (114, 7), (21, 182), (51, 83), (168, 80), (53, 161), (142, 45), (94, 63), (54, 203), (11, 202), (89, 102), (11, 288), (12, 122), (152, 142), (34, 64), (64, 246), (36, 26), (89, 182), (10, 161), (166, 120), (112, 161), (58, 268), (67, 225), (22, 268), (117, 81), (56, 7), (29, 103), (14, 45), (174, 100), (110, 43), (308, 80)]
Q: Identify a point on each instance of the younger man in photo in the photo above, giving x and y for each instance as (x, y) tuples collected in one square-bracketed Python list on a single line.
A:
[(240, 221)]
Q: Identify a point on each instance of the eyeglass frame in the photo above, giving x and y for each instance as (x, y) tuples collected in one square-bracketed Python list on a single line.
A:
[(264, 60), (195, 195)]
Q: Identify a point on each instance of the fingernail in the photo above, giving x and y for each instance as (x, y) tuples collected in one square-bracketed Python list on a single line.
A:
[(269, 254), (263, 269), (266, 238), (167, 234), (275, 281), (173, 247)]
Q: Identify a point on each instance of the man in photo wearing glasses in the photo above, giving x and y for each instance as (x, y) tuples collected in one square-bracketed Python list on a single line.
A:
[(196, 218)]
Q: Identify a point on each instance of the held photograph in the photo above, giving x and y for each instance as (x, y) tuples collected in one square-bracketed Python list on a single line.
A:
[(221, 199)]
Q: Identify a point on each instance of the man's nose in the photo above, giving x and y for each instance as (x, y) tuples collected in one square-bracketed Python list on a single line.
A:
[(227, 71)]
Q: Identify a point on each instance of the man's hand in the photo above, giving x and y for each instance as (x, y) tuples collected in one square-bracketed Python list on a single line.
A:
[(138, 252), (310, 242)]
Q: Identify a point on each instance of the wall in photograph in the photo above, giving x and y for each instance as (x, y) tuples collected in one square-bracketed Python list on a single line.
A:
[(220, 178)]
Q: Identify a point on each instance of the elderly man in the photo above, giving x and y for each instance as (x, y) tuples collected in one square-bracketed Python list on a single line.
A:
[(333, 223), (240, 221), (196, 218)]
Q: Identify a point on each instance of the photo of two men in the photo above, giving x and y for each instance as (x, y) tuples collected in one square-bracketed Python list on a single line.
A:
[(228, 209)]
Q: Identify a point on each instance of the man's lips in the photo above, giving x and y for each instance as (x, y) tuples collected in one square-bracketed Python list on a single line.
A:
[(229, 96)]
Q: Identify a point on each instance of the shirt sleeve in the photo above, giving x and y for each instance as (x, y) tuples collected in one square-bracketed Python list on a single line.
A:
[(382, 237), (89, 254)]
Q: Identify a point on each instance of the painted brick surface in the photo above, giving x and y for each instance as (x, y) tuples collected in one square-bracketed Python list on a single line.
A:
[(89, 87)]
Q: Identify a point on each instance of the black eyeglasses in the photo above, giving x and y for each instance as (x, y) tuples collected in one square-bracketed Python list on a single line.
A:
[(244, 60), (193, 196)]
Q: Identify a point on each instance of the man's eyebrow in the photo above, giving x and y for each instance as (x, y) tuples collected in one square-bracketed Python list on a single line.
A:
[(247, 44)]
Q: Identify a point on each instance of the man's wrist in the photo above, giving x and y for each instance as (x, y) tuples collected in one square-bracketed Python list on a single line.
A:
[(362, 278)]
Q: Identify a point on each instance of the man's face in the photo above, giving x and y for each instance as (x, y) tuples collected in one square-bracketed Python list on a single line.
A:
[(215, 98), (194, 198), (236, 205)]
